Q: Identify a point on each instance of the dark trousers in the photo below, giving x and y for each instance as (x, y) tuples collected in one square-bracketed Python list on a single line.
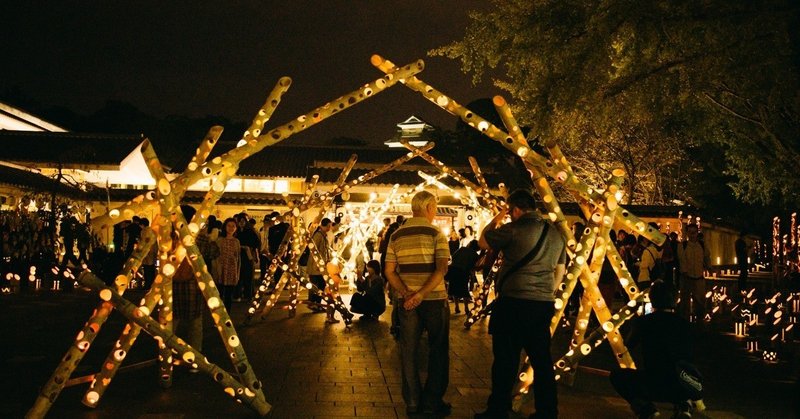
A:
[(640, 390), (434, 317), (743, 277), (318, 282), (515, 325), (245, 286), (149, 273), (227, 296)]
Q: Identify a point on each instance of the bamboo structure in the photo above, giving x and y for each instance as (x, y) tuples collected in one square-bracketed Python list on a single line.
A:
[(165, 200), (601, 207)]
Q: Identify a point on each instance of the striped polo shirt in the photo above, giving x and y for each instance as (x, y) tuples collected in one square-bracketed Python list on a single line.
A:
[(415, 246)]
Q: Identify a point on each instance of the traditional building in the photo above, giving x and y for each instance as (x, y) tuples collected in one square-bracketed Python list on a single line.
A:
[(110, 170)]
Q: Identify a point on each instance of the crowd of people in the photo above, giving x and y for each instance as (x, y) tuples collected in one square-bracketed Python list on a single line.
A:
[(422, 270), (37, 251)]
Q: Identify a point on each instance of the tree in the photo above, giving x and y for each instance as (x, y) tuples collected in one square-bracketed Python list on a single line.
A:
[(644, 82)]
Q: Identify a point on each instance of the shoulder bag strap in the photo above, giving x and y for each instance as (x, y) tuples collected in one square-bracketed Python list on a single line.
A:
[(525, 259)]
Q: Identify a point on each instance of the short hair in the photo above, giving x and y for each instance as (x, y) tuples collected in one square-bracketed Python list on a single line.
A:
[(522, 199), (662, 295), (144, 221), (421, 201), (325, 222), (375, 265)]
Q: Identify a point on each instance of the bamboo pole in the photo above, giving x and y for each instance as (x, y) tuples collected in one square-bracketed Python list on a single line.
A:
[(477, 122), (131, 332), (204, 281), (186, 353), (52, 388)]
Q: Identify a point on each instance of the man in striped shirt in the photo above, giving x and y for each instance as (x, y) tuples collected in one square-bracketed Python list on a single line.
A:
[(416, 262)]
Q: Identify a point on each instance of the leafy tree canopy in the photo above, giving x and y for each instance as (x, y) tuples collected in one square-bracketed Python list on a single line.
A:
[(647, 82)]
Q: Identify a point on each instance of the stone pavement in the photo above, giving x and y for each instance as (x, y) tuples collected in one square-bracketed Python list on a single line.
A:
[(311, 369)]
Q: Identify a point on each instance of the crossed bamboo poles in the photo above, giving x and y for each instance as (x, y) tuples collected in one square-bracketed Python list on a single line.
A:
[(602, 210), (601, 207), (166, 197)]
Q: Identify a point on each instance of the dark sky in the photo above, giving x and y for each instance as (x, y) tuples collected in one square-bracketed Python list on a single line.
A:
[(223, 57)]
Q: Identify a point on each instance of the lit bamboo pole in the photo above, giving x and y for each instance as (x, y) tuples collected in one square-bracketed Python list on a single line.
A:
[(333, 298), (485, 194), (148, 199), (131, 332), (571, 358), (52, 388), (361, 179), (420, 186), (576, 266), (231, 386), (114, 359), (477, 171), (205, 283), (482, 307), (198, 168), (262, 297), (303, 122), (202, 152), (490, 130), (538, 179)]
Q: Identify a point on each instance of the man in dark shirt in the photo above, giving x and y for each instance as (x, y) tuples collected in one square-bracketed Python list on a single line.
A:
[(522, 313), (664, 339), (275, 235), (250, 243)]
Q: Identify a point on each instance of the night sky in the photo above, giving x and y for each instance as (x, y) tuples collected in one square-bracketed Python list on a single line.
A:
[(203, 58)]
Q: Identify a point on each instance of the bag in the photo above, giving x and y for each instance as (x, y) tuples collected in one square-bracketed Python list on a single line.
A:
[(690, 380)]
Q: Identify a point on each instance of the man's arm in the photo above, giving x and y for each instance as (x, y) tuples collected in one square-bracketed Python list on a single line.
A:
[(436, 278), (390, 271), (491, 225)]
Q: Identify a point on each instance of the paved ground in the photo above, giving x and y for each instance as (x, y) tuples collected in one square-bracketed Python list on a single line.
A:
[(311, 369)]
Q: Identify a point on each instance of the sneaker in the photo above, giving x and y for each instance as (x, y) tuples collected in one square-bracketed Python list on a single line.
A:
[(331, 320)]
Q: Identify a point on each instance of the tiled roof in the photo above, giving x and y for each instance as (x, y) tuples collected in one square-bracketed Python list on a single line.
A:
[(305, 161), (29, 180), (68, 148), (196, 197)]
